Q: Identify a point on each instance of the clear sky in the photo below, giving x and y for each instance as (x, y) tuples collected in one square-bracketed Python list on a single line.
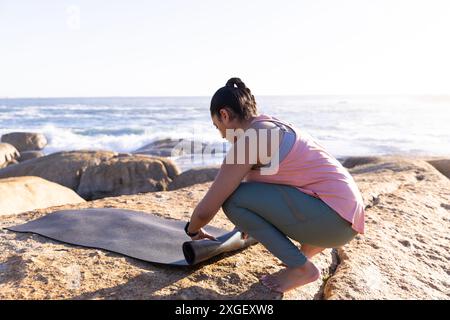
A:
[(180, 47)]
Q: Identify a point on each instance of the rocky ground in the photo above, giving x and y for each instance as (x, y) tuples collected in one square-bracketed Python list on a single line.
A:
[(403, 254)]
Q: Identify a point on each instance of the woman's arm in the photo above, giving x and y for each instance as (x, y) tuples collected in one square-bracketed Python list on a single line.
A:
[(227, 180)]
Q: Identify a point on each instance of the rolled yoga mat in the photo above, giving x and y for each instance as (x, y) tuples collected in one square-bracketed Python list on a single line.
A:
[(134, 234)]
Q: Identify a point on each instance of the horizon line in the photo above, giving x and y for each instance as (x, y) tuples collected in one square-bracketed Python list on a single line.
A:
[(205, 96)]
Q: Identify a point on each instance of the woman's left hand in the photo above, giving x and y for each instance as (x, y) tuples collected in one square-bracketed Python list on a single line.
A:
[(203, 235)]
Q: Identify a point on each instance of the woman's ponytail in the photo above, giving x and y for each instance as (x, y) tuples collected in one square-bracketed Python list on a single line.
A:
[(235, 81), (236, 96)]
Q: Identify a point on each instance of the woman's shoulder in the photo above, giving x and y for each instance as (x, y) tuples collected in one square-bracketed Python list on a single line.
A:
[(263, 124), (262, 121), (267, 122)]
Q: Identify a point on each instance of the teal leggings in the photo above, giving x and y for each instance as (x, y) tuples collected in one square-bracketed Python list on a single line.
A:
[(270, 213)]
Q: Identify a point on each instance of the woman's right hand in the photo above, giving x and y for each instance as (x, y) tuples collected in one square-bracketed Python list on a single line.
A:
[(202, 234)]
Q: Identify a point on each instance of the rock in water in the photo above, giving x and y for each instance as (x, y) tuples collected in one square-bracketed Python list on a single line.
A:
[(8, 153), (20, 194), (171, 147), (27, 155), (25, 141)]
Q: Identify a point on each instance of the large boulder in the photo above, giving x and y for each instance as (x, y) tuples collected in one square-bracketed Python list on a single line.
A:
[(25, 141), (20, 194), (194, 176), (64, 168), (77, 171), (27, 155), (172, 147), (8, 153), (126, 175), (404, 252)]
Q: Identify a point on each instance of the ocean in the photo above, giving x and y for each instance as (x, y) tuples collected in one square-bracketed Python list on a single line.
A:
[(345, 125)]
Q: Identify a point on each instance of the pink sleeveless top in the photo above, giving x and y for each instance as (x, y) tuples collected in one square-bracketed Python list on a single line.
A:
[(314, 171)]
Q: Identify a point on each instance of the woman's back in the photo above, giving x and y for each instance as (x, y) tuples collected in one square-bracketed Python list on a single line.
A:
[(313, 170)]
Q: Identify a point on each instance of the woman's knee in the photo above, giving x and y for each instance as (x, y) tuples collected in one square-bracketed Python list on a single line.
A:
[(231, 205)]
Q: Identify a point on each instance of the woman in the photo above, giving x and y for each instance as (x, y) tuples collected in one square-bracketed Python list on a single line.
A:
[(311, 198)]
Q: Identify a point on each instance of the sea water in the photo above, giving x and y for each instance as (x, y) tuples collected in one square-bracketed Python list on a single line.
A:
[(345, 125)]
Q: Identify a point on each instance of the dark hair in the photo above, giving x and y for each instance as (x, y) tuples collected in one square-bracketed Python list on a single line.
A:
[(239, 99)]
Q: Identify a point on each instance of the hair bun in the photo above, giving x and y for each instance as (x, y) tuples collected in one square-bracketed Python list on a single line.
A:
[(235, 81), (236, 98)]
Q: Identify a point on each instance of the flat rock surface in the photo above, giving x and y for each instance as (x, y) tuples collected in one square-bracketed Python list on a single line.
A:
[(404, 253)]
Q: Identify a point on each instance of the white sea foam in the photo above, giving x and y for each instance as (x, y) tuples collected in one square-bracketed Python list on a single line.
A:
[(65, 139)]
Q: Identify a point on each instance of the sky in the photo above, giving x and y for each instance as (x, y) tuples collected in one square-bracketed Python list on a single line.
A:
[(61, 48)]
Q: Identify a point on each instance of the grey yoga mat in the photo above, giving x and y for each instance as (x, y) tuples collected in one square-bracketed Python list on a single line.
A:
[(135, 234)]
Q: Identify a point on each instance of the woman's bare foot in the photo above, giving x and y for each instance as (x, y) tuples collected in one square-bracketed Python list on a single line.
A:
[(291, 278)]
